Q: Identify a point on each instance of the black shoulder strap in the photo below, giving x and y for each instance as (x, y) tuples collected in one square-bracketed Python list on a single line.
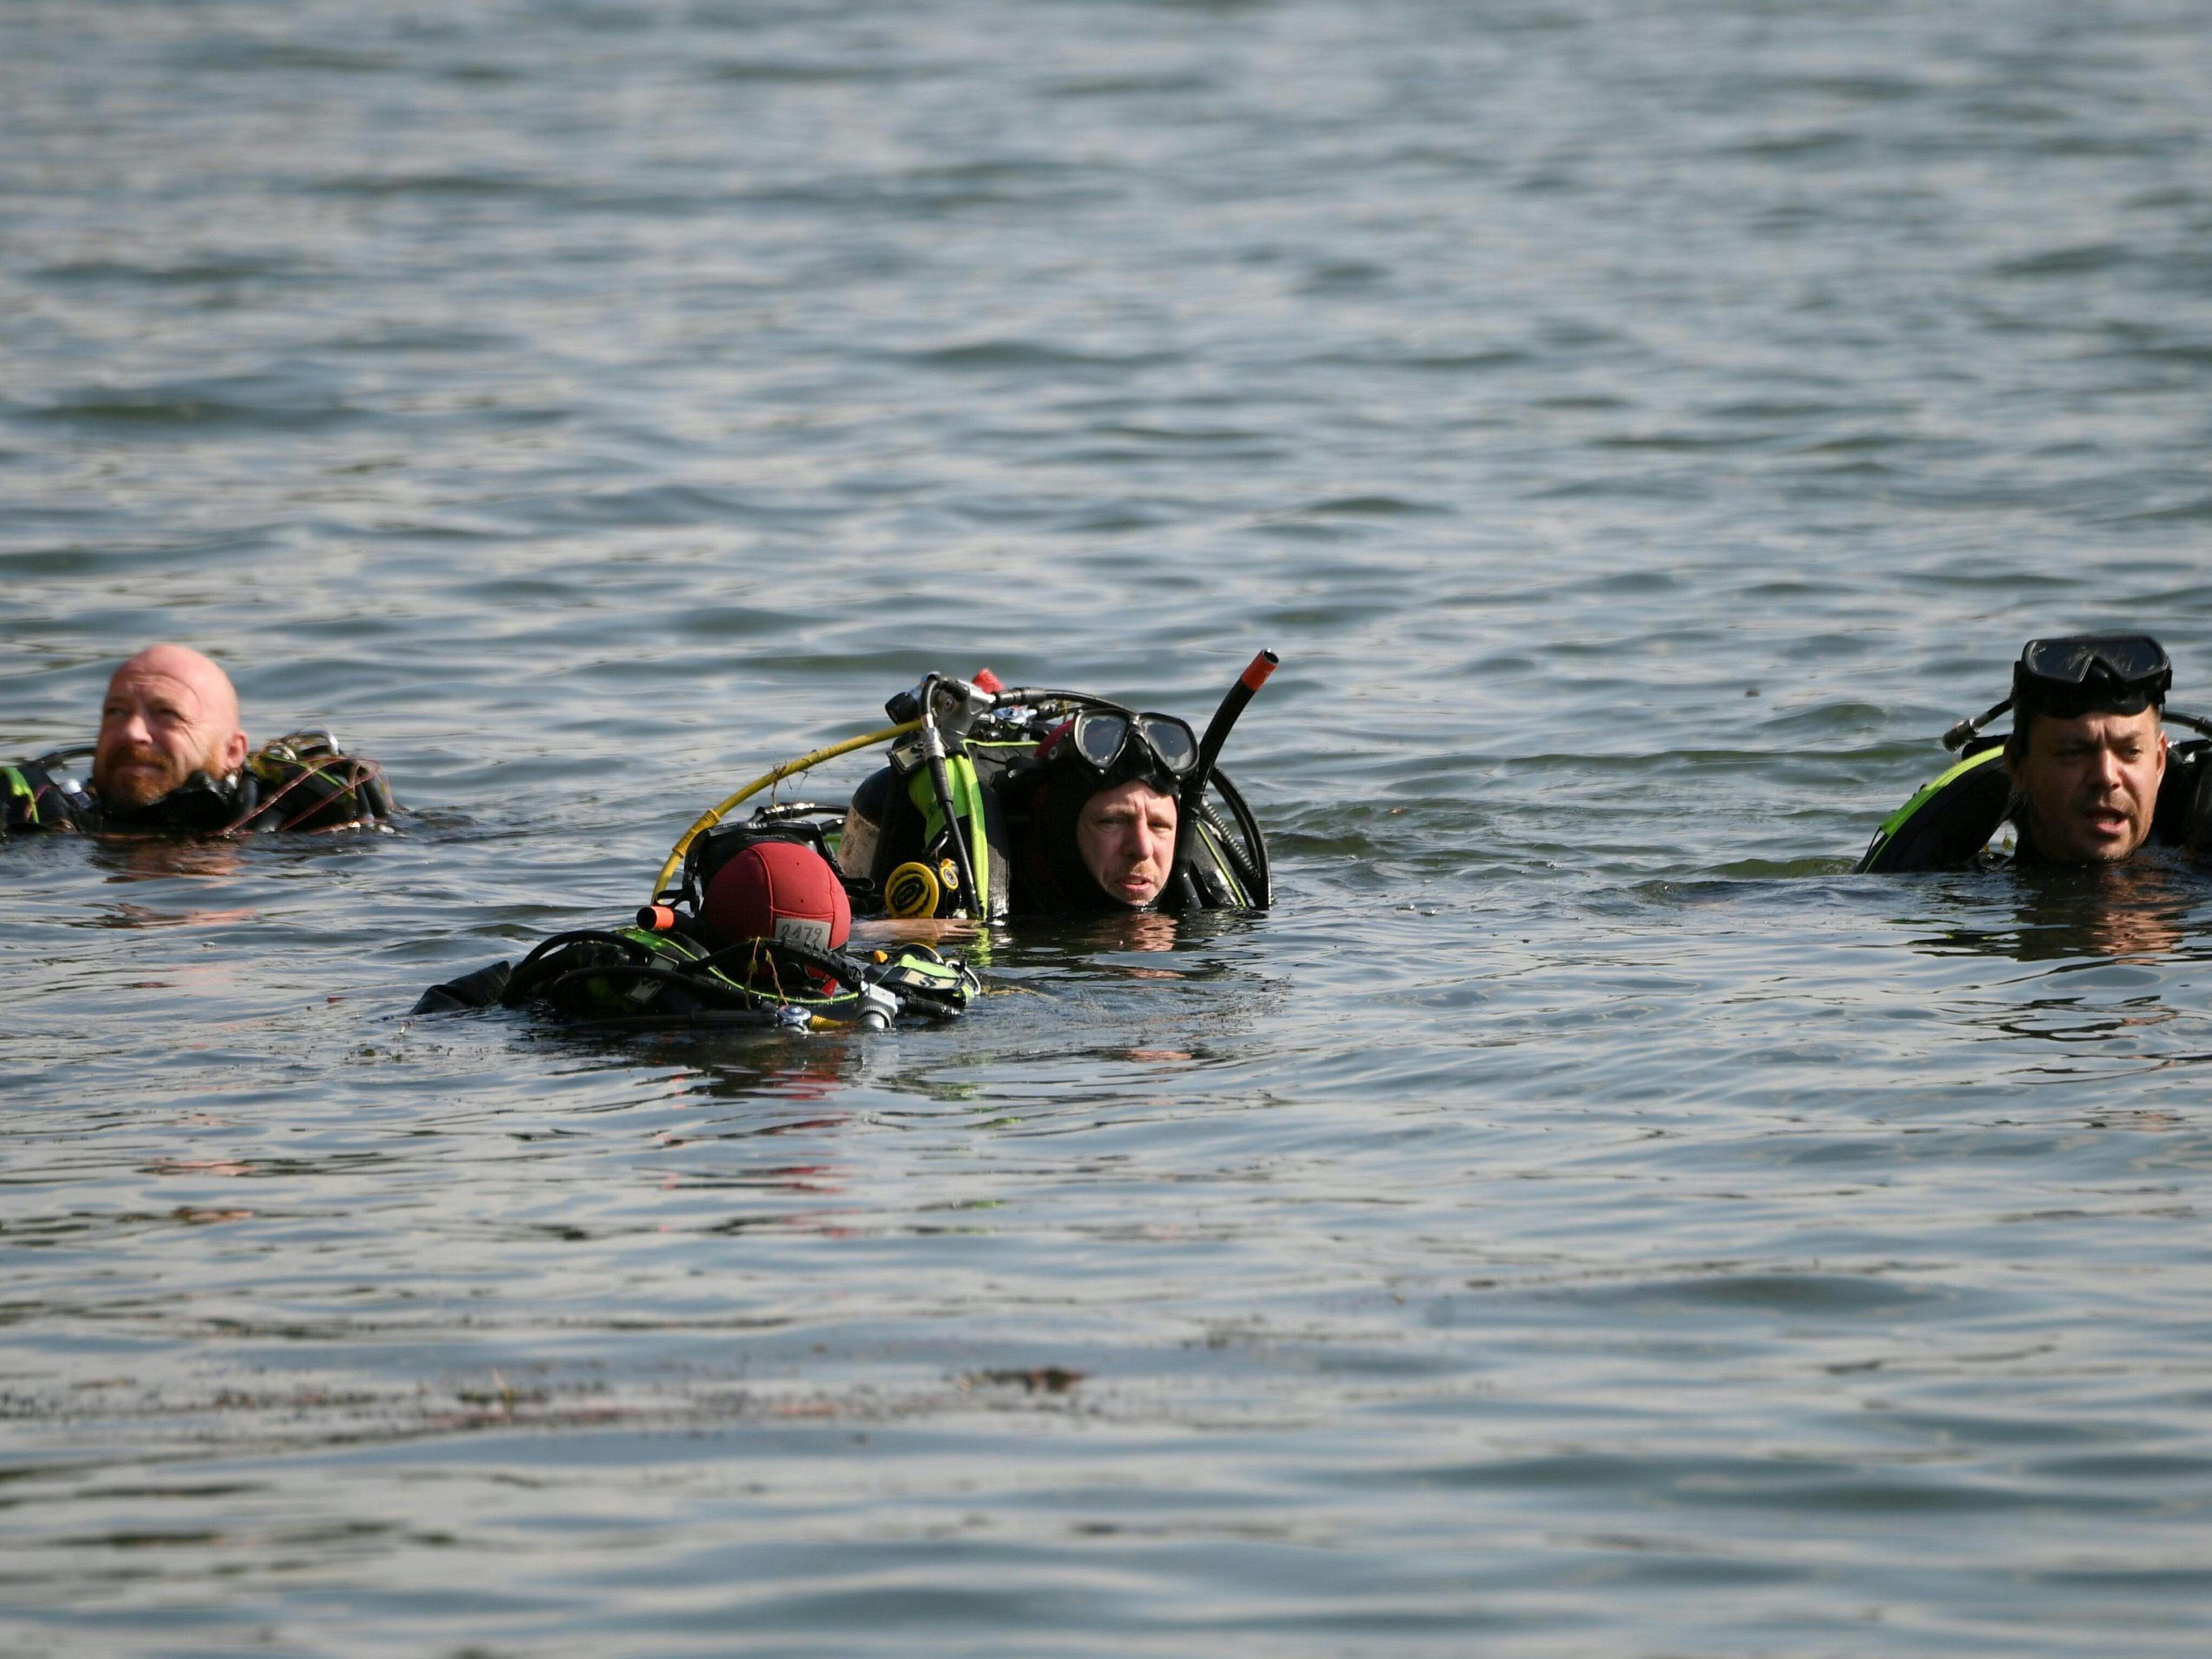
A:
[(2184, 817)]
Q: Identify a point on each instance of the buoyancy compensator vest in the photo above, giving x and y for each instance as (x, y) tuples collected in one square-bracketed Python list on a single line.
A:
[(646, 978), (685, 963)]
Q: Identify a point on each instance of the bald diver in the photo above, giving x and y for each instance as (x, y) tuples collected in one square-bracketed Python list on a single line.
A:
[(172, 759)]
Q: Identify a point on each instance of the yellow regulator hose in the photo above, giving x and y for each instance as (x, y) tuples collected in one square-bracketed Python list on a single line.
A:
[(712, 816)]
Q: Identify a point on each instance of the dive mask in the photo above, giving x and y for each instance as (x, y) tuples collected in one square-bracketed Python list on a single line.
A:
[(2091, 673), (1118, 746)]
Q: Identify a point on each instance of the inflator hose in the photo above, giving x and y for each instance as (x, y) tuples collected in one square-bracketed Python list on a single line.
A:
[(712, 816)]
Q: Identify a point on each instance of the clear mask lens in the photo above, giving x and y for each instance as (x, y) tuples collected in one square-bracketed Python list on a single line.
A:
[(1103, 740), (1099, 739), (1171, 740)]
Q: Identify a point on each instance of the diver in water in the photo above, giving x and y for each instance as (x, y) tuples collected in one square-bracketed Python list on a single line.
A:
[(1066, 804), (1092, 823), (995, 802), (172, 759), (2085, 776)]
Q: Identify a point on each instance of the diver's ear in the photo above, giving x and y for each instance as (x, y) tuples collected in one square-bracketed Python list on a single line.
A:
[(234, 753)]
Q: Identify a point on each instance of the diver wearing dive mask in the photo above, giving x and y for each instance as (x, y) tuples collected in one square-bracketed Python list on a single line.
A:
[(1102, 821), (1021, 770), (2086, 754), (2086, 775), (1099, 833)]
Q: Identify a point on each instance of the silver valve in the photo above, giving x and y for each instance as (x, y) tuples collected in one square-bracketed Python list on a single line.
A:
[(954, 705), (1966, 730), (878, 1008)]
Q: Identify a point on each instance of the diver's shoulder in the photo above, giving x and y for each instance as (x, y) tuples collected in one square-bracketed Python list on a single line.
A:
[(306, 781), (47, 793), (1949, 821)]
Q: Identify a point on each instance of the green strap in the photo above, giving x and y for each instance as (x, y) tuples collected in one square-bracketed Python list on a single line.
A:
[(19, 787), (968, 802), (968, 796)]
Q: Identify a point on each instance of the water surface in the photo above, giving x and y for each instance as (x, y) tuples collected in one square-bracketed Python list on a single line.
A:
[(1581, 1220)]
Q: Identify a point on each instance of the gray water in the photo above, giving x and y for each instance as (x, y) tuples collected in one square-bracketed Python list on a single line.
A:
[(1581, 1220)]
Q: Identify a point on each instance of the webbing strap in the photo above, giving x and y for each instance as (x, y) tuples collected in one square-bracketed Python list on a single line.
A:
[(20, 787)]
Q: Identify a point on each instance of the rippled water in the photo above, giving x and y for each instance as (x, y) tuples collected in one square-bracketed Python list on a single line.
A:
[(1581, 1220)]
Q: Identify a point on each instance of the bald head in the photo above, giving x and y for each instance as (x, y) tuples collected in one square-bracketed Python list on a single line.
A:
[(170, 712)]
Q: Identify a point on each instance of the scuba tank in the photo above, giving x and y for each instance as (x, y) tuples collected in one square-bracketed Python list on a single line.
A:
[(898, 837), (926, 831)]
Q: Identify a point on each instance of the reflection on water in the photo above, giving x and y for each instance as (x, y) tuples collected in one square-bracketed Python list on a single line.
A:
[(131, 858), (2145, 910), (1581, 1218)]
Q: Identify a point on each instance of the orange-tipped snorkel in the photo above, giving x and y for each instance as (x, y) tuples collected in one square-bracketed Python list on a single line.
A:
[(1192, 796)]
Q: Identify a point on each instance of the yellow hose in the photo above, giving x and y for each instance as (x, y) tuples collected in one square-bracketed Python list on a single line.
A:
[(713, 815)]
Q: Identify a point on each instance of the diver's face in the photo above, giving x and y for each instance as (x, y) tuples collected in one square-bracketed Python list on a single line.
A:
[(157, 728), (2091, 784), (1126, 835)]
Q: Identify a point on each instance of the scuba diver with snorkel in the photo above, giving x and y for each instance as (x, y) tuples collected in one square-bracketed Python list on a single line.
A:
[(1079, 805), (994, 803)]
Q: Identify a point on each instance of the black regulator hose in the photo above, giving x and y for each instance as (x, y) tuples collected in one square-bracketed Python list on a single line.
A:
[(940, 780), (1192, 795)]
